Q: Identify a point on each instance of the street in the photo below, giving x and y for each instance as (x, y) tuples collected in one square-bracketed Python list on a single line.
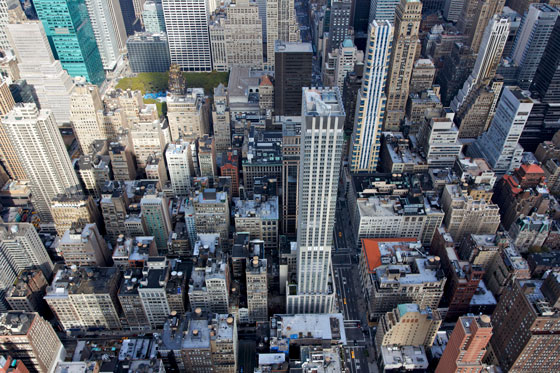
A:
[(350, 299)]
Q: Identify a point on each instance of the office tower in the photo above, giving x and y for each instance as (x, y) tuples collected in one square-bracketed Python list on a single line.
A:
[(31, 339), (499, 145), (452, 10), (321, 151), (42, 154), (207, 157), (68, 209), (403, 54), (438, 138), (464, 215), (8, 156), (489, 56), (526, 326), (148, 53), (131, 22), (546, 82), (21, 248), (188, 114), (187, 32), (291, 144), (531, 40), (339, 23), (477, 112), (257, 289), (293, 70), (83, 245), (474, 18), (156, 217), (130, 301), (382, 10), (180, 167), (39, 68), (221, 119), (370, 106), (281, 25), (408, 325), (152, 293), (4, 20), (84, 104), (153, 18), (85, 298), (467, 345), (236, 37), (263, 159), (75, 47), (109, 30)]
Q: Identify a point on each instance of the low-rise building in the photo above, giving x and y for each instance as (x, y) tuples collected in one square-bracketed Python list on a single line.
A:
[(85, 298), (259, 217), (394, 271)]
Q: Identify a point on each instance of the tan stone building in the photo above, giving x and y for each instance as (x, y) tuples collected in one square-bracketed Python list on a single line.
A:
[(408, 15), (188, 114), (408, 325)]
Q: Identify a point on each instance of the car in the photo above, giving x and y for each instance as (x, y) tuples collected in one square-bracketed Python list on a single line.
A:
[(352, 354), (339, 234), (344, 300)]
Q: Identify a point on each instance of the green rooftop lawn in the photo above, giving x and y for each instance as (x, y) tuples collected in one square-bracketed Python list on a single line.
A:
[(156, 82)]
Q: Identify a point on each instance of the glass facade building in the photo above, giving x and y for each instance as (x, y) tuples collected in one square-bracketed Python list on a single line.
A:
[(69, 30)]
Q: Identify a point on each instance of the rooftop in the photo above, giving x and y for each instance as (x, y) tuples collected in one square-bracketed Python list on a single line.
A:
[(16, 322), (379, 250), (263, 209), (316, 326), (322, 101), (84, 280)]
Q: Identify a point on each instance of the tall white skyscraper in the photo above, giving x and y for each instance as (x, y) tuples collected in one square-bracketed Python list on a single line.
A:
[(489, 56), (152, 16), (42, 154), (370, 107), (322, 133), (108, 27), (20, 248), (38, 67), (187, 33), (531, 40), (500, 144)]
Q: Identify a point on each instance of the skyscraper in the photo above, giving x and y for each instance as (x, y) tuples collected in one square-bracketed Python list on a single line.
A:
[(489, 56), (180, 166), (475, 17), (71, 35), (339, 24), (154, 20), (382, 10), (187, 33), (499, 145), (322, 133), (281, 24), (366, 138), (294, 68), (85, 103), (531, 40), (407, 22), (39, 68), (42, 154), (546, 82), (109, 30)]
